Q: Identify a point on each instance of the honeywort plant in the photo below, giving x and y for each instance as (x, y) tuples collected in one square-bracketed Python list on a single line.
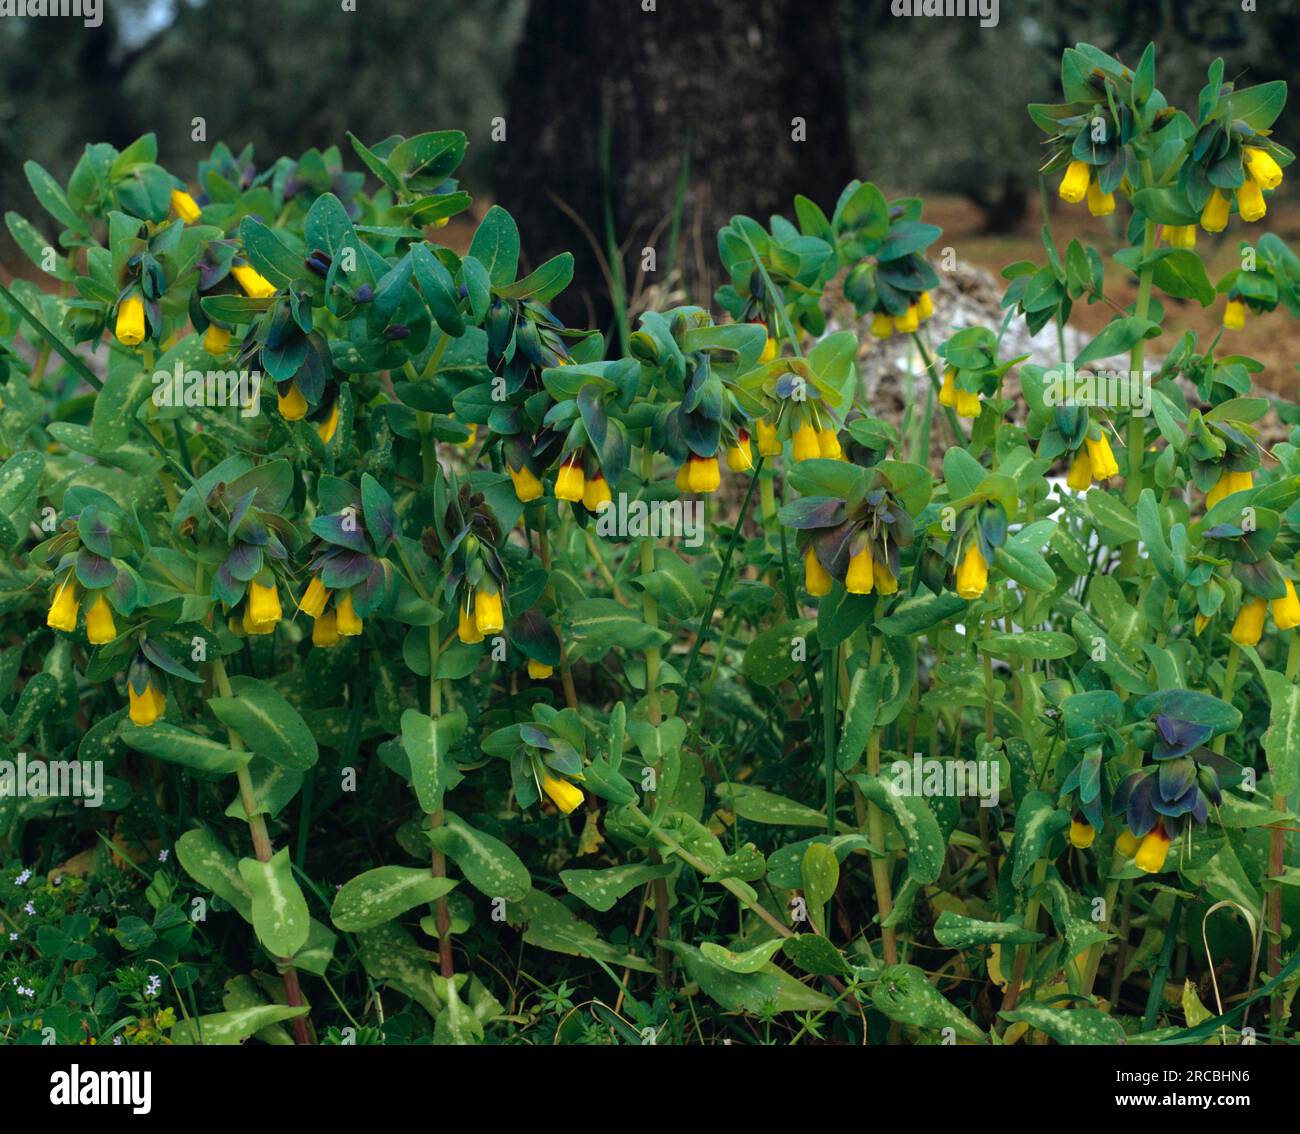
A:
[(296, 494)]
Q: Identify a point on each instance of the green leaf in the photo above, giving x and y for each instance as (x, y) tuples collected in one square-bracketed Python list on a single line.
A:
[(230, 1028), (550, 925), (280, 917), (958, 932), (860, 708), (601, 889), (1037, 820), (384, 893), (168, 742), (1117, 337), (750, 961), (1070, 1026), (488, 864), (904, 993), (760, 806), (821, 876), (769, 658), (769, 989), (921, 831), (1282, 740), (605, 623), (266, 723), (125, 388), (427, 744), (1029, 644), (206, 860), (496, 246), (920, 613)]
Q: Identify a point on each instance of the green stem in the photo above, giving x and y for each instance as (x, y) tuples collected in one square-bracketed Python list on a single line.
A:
[(1162, 969), (830, 686), (1137, 356)]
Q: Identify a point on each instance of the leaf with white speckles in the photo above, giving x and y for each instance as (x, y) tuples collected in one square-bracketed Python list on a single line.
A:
[(488, 864), (1071, 1026), (280, 917), (601, 889), (382, 894)]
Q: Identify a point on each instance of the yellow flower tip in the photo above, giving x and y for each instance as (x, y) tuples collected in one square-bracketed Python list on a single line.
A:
[(1200, 622), (1180, 235), (882, 325), (527, 486), (130, 321), (1248, 626), (769, 444), (968, 404), (473, 436), (185, 206), (596, 494), (1153, 851), (1127, 843), (292, 405), (948, 388), (100, 627), (1080, 476), (325, 630), (1081, 834), (216, 340), (1229, 482), (349, 625), (566, 796), (816, 579), (1100, 204), (1074, 185), (861, 576), (828, 444), (1261, 167), (262, 611), (147, 707), (255, 285), (63, 607), (770, 350), (539, 671), (907, 323), (1214, 217), (1250, 201), (703, 474), (1234, 315), (924, 306), (327, 428), (886, 584), (570, 482), (467, 628), (314, 598), (488, 616), (683, 477), (972, 572), (1286, 610), (806, 445), (1101, 458), (740, 456)]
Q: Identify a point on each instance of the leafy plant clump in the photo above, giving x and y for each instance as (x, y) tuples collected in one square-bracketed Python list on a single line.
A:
[(450, 674)]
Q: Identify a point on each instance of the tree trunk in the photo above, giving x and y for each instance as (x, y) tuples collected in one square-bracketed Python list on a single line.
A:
[(720, 82)]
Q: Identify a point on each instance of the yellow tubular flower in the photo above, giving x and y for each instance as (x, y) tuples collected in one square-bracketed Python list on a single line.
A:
[(596, 494), (63, 606), (487, 611), (1074, 185), (473, 436), (882, 325), (263, 607), (1180, 235), (1250, 201), (314, 598), (185, 206), (1101, 458), (683, 477), (968, 404), (145, 708), (886, 584), (570, 482), (325, 631), (1100, 204), (770, 349), (1154, 850), (467, 628), (349, 625), (703, 474), (907, 323), (130, 321), (1127, 843), (292, 406), (539, 671), (566, 796), (99, 621), (828, 444), (816, 579), (159, 700), (861, 578), (1248, 626), (806, 445), (1080, 477), (1261, 167), (527, 486), (740, 456), (1234, 315), (924, 306), (327, 428), (216, 340), (948, 389), (255, 285), (1214, 217), (1228, 483), (1286, 610), (972, 572), (769, 444), (1081, 834)]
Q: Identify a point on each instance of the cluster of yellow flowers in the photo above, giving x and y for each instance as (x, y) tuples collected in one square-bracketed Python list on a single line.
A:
[(480, 616), (1094, 461), (328, 626), (1079, 182), (1248, 626), (963, 401), (883, 324), (1148, 852), (65, 606)]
